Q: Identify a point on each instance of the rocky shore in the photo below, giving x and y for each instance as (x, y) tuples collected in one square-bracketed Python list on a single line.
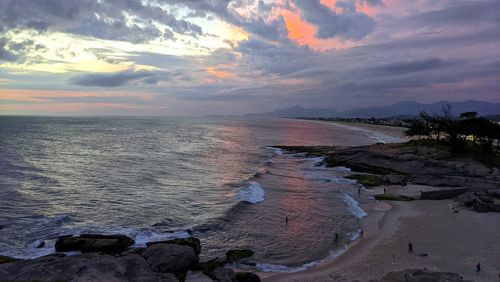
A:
[(472, 183), (110, 258)]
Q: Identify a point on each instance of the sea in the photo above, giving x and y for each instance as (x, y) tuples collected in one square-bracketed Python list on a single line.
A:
[(219, 179)]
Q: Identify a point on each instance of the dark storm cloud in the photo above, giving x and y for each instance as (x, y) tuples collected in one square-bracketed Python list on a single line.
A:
[(107, 19), (350, 24)]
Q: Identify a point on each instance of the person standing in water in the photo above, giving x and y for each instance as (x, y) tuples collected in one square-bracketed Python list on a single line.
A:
[(478, 268), (286, 220), (336, 237), (410, 248)]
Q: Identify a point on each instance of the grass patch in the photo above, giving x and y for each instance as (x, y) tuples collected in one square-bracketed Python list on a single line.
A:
[(366, 179), (391, 197)]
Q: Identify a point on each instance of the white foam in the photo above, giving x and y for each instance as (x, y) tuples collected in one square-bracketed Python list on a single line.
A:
[(252, 193), (283, 268), (277, 151), (341, 169), (353, 206)]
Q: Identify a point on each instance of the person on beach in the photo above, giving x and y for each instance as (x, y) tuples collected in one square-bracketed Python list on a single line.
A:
[(361, 233), (286, 220), (478, 268), (359, 191), (385, 190), (410, 248), (336, 237)]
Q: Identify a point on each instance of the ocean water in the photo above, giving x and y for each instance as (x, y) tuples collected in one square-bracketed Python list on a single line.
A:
[(217, 179)]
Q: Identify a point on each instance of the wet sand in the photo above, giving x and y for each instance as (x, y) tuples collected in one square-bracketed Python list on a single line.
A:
[(454, 242)]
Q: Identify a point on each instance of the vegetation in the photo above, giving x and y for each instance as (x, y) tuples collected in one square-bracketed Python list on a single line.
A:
[(367, 180), (466, 134)]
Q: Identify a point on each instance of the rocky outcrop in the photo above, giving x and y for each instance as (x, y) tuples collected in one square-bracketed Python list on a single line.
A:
[(442, 194), (419, 275), (234, 255), (170, 257), (93, 243), (247, 277), (192, 242), (480, 202), (165, 261)]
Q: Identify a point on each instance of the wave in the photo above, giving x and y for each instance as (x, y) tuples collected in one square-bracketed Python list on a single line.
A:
[(353, 206), (277, 151), (252, 193)]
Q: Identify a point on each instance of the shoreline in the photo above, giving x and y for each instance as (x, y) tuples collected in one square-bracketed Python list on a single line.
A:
[(447, 238)]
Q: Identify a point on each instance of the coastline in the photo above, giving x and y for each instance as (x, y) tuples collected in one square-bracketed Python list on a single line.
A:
[(446, 238)]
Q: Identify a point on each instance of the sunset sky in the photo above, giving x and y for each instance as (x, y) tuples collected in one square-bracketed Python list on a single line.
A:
[(199, 57)]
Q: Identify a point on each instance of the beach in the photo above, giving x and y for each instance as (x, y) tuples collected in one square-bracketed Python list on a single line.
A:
[(445, 238)]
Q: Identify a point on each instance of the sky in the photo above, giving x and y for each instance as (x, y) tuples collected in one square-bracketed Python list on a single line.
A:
[(201, 57)]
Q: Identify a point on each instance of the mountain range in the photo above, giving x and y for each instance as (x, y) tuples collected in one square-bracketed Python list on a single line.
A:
[(399, 109)]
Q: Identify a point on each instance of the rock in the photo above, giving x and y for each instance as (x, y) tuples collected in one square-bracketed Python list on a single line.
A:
[(247, 277), (467, 199), (234, 255), (170, 257), (93, 243), (6, 259), (442, 194), (84, 267), (41, 245), (48, 268), (223, 275), (126, 268), (192, 242), (418, 275), (485, 198), (423, 255), (493, 193), (209, 266)]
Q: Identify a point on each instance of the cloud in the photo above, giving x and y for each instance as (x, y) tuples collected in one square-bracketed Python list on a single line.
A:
[(115, 79), (346, 24), (128, 20)]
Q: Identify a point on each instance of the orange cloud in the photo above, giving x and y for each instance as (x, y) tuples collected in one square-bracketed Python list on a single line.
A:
[(218, 72), (305, 34)]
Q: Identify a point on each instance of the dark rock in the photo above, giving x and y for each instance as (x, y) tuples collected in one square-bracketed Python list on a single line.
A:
[(41, 245), (442, 194), (209, 266), (485, 198), (423, 255), (493, 193), (170, 257), (223, 275), (84, 267), (234, 255), (93, 243), (247, 277), (418, 275), (467, 199), (6, 259), (192, 242)]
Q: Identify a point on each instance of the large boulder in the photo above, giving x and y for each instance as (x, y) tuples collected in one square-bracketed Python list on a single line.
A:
[(192, 242), (419, 275), (93, 243), (234, 255), (170, 257), (247, 277), (223, 274)]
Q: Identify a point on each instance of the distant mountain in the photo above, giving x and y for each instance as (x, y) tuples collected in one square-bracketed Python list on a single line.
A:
[(298, 111), (398, 109)]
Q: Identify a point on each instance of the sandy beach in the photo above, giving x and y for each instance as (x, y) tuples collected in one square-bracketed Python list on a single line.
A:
[(443, 239)]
